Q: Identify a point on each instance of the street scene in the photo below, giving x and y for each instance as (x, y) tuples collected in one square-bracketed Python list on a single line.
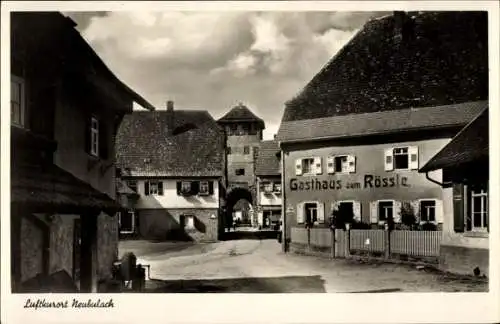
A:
[(249, 152)]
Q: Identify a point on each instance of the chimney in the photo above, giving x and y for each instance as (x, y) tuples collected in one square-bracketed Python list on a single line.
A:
[(170, 117)]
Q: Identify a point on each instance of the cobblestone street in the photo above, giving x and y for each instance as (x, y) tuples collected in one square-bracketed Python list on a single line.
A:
[(259, 266)]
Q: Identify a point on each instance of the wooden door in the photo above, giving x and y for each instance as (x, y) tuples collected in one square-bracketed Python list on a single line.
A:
[(212, 229)]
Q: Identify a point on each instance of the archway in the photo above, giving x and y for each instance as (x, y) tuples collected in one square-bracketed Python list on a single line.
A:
[(239, 202)]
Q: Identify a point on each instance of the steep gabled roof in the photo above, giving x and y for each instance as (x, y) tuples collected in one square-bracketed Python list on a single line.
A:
[(145, 146), (441, 58), (470, 144), (241, 113), (268, 162)]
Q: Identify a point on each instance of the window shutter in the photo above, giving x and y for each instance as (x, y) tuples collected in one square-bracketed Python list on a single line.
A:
[(298, 167), (330, 165), (160, 188), (103, 141), (179, 186), (87, 133), (415, 205), (397, 212), (388, 160), (373, 212), (210, 188), (439, 211), (300, 213), (317, 165), (458, 208), (356, 206), (321, 212), (146, 188), (413, 157), (351, 160)]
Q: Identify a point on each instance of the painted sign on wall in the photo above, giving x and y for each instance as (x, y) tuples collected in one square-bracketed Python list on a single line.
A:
[(369, 182)]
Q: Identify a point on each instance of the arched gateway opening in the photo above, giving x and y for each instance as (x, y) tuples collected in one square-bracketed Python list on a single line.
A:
[(239, 209)]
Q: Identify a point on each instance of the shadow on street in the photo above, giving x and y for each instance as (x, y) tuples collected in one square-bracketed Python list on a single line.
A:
[(249, 235), (289, 284)]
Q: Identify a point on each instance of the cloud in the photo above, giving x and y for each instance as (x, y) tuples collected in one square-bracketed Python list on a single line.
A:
[(213, 60)]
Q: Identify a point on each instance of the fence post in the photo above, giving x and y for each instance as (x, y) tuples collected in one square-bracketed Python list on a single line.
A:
[(347, 243), (332, 228), (308, 238), (387, 241)]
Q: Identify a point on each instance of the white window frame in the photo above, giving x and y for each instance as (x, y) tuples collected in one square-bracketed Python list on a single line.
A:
[(94, 136), (207, 186), (22, 104), (246, 148), (393, 201), (311, 171), (304, 203), (394, 154), (435, 221), (186, 184), (484, 209), (150, 186), (132, 213)]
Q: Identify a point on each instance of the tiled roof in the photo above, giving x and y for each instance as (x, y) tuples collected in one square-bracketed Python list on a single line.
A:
[(145, 148), (441, 59), (379, 122), (122, 188), (55, 189), (468, 145), (268, 162), (240, 113)]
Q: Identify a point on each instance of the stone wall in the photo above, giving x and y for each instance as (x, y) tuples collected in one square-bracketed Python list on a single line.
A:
[(31, 249), (107, 242), (61, 243), (165, 224)]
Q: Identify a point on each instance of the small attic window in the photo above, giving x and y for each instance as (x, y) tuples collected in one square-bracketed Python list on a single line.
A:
[(184, 128)]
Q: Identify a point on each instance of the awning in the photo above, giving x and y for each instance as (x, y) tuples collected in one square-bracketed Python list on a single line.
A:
[(50, 189), (470, 144)]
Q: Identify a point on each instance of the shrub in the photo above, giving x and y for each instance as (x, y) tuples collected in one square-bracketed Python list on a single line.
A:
[(408, 217), (360, 225), (428, 227), (341, 216)]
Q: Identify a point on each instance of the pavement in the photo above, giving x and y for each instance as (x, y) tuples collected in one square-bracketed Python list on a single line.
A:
[(259, 266)]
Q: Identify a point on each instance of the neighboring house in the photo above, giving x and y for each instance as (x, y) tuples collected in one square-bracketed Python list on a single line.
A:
[(243, 133), (174, 161), (392, 98), (65, 108), (465, 165), (268, 172)]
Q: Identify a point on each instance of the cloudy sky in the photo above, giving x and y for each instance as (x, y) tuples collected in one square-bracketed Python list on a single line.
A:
[(212, 60)]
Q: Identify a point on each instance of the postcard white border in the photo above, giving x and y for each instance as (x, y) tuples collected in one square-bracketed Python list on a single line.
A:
[(262, 308)]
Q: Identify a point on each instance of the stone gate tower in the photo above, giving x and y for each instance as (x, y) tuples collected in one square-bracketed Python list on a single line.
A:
[(243, 131)]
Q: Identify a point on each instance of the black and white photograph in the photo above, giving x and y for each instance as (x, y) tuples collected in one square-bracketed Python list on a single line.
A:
[(158, 151)]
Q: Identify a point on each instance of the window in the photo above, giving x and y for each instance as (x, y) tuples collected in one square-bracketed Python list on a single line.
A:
[(229, 150), (126, 222), (307, 165), (204, 188), (479, 208), (268, 187), (401, 158), (385, 211), (186, 186), (240, 172), (132, 184), (94, 136), (341, 164), (17, 101), (153, 188), (311, 212), (187, 222), (233, 130), (427, 210), (277, 187), (246, 150)]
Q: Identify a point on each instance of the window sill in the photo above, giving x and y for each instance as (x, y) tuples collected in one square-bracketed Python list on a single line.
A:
[(476, 234)]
